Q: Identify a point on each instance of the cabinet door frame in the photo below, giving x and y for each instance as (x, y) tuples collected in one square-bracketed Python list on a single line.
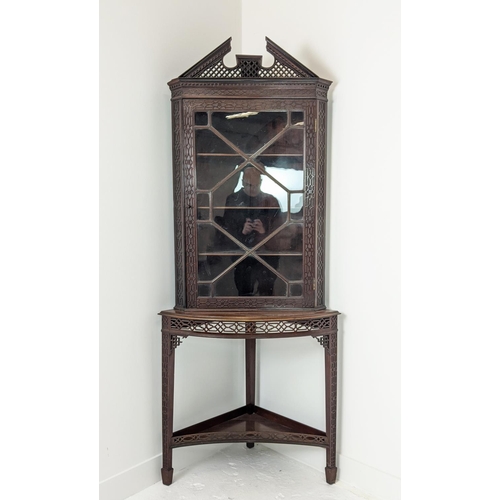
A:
[(186, 219)]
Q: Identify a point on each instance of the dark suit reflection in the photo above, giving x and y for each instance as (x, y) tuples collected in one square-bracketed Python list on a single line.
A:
[(254, 216)]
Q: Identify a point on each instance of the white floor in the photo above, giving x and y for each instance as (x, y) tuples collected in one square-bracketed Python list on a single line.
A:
[(239, 473)]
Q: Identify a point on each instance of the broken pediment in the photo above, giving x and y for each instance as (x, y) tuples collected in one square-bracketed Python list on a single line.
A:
[(248, 66)]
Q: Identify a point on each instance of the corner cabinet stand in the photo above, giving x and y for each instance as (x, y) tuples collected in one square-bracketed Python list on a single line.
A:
[(250, 423), (249, 169)]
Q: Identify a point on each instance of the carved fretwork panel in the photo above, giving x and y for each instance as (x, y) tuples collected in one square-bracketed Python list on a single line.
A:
[(212, 65), (324, 341), (321, 208), (257, 328), (269, 437), (180, 283), (331, 363)]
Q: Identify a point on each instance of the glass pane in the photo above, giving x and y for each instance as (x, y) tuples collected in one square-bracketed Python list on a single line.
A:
[(225, 286), (213, 241), (249, 131), (250, 214), (291, 267), (207, 142), (282, 172), (201, 118), (220, 194), (251, 278), (296, 205), (212, 266), (203, 200), (288, 240), (247, 200), (291, 142), (297, 118), (204, 290), (210, 170), (203, 214), (290, 163), (268, 186)]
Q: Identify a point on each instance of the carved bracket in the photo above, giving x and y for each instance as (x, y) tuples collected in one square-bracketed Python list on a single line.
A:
[(176, 341), (324, 340)]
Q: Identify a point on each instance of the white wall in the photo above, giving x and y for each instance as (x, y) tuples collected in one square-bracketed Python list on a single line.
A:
[(357, 45), (142, 46)]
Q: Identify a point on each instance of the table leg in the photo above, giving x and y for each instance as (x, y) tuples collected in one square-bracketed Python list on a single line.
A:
[(168, 362), (250, 345), (331, 405)]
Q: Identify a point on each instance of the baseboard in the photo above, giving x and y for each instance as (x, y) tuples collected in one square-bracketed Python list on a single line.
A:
[(141, 476), (131, 481), (361, 479), (367, 481)]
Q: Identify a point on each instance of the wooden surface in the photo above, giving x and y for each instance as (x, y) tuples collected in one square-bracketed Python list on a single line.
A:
[(247, 315)]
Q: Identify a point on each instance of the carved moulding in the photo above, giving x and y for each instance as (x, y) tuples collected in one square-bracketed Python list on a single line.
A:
[(249, 89)]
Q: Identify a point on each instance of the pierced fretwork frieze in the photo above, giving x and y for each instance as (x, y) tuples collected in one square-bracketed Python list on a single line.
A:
[(212, 65), (257, 436), (248, 327)]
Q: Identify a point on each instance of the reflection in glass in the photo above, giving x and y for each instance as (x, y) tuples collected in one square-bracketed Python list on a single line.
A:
[(203, 200), (287, 240), (296, 205), (249, 167), (249, 132), (225, 286), (203, 214), (292, 180), (250, 213), (213, 241), (207, 142), (285, 164), (290, 143), (228, 187), (254, 278), (250, 277), (297, 118), (291, 267), (201, 118)]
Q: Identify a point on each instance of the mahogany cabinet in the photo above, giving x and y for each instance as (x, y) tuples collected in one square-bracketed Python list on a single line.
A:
[(249, 173)]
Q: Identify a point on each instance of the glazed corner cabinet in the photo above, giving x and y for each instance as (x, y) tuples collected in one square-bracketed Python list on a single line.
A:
[(249, 178)]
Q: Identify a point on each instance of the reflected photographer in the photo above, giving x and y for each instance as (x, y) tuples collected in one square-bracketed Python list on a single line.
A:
[(250, 215)]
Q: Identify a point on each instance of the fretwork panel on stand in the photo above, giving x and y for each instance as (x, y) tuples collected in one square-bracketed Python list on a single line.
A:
[(250, 423), (313, 327)]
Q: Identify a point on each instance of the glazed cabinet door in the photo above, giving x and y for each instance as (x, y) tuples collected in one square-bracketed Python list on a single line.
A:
[(249, 176)]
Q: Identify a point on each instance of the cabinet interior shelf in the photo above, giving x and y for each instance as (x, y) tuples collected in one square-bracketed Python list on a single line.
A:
[(262, 154), (249, 423), (229, 207), (258, 252)]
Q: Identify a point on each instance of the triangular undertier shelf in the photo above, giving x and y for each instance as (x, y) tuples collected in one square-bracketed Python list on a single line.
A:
[(249, 424)]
